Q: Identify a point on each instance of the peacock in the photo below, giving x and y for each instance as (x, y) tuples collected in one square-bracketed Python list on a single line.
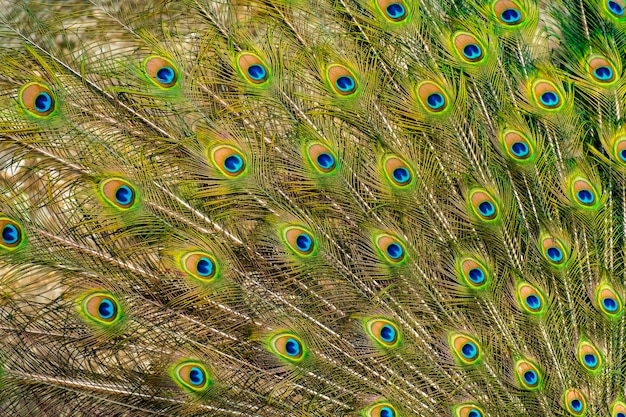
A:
[(375, 208)]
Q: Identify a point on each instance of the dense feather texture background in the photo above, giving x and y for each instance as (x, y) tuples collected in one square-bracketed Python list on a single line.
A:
[(312, 208)]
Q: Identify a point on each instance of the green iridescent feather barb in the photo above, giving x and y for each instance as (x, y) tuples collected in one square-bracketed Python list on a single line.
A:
[(375, 208)]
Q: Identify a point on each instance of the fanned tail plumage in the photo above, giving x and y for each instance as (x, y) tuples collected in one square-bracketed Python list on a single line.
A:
[(312, 207)]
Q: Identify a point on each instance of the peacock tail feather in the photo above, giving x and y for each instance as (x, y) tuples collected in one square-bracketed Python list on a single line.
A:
[(379, 208)]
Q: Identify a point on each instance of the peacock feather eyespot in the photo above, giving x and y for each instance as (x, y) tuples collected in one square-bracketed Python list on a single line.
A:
[(530, 299), (609, 302), (468, 410), (517, 146), (618, 409), (615, 8), (528, 375), (432, 97), (200, 265), (228, 160), (509, 13), (393, 11), (583, 193), (382, 331), (380, 409), (287, 346), (619, 149), (299, 240), (341, 80), (37, 99), (118, 193), (191, 375), (601, 70), (390, 248), (547, 96), (589, 356), (161, 71), (474, 272), (101, 308), (322, 158), (252, 68), (554, 250), (483, 205), (574, 401), (468, 47), (465, 348), (397, 171), (11, 234)]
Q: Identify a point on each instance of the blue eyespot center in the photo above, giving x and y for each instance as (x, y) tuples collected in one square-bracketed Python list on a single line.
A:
[(476, 275), (395, 11), (292, 347), (554, 254), (10, 234), (585, 196), (519, 149), (106, 309), (533, 302), (345, 83), (510, 16), (469, 350), (435, 101), (196, 376), (165, 75), (576, 404), (620, 414), (387, 333), (603, 73), (386, 412), (325, 160), (616, 8), (233, 163), (472, 51), (304, 242), (394, 251), (590, 360), (486, 208), (474, 413), (530, 377), (204, 267), (257, 72), (549, 99), (622, 155), (610, 304), (43, 102), (124, 195), (401, 175)]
